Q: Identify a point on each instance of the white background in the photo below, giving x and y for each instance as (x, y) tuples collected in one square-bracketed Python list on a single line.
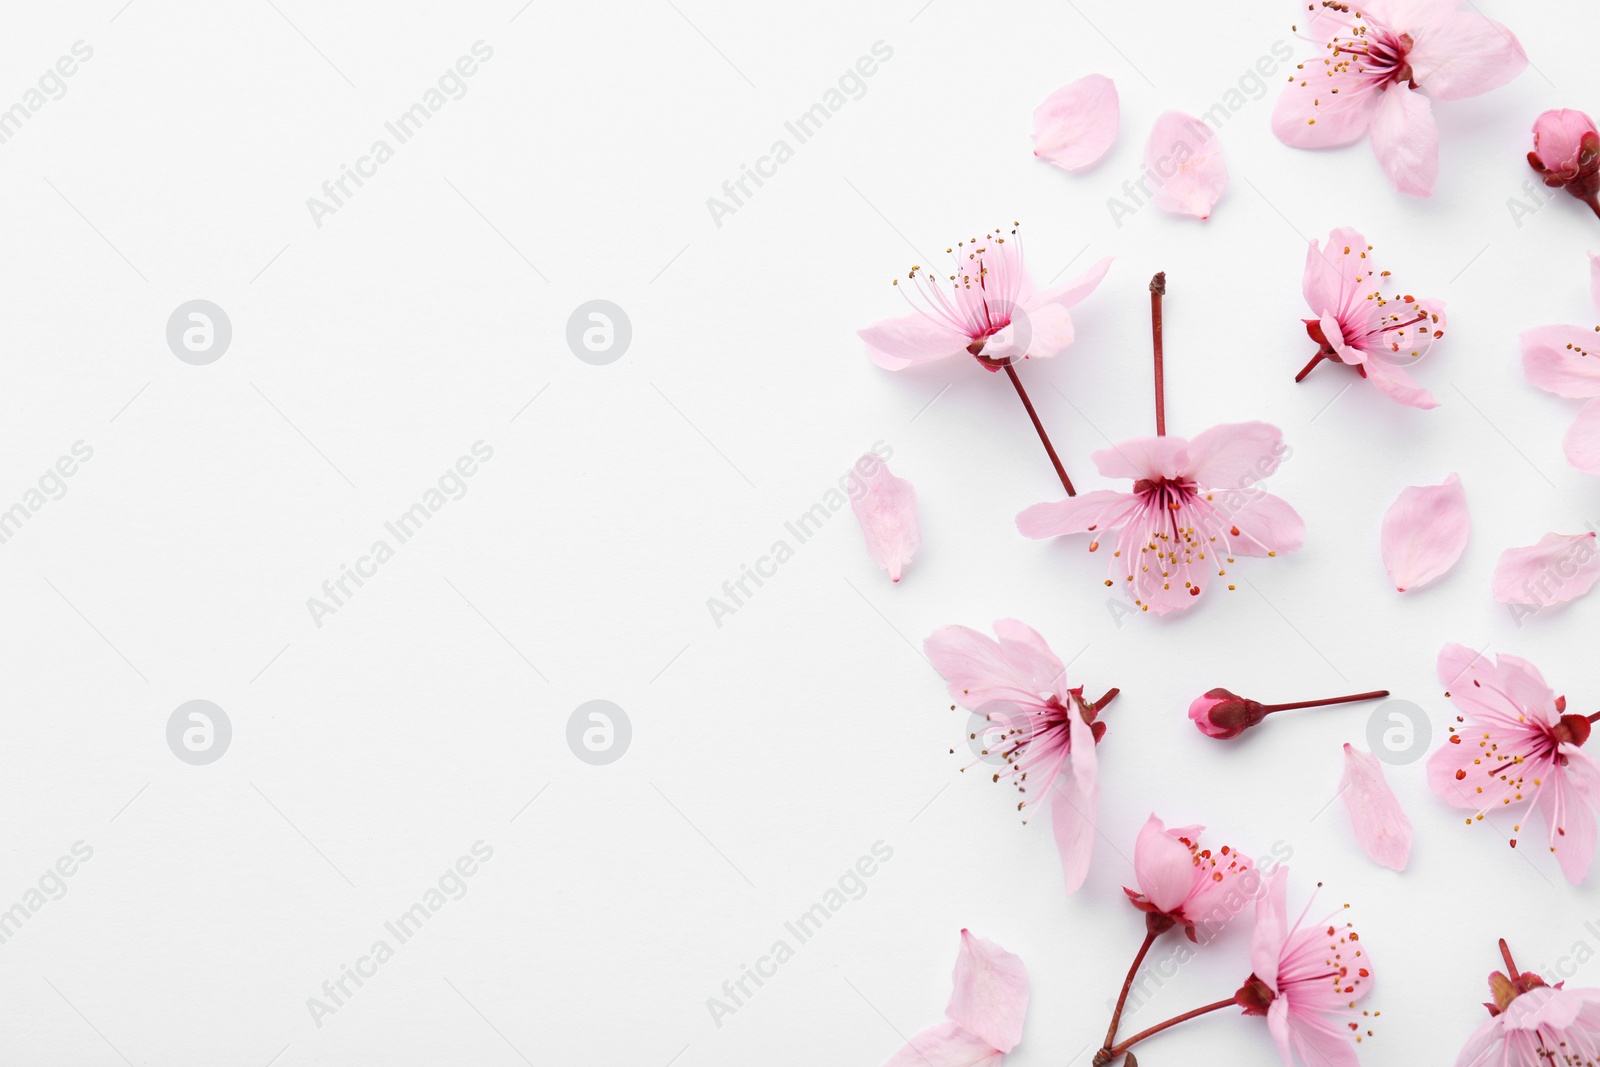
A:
[(768, 754)]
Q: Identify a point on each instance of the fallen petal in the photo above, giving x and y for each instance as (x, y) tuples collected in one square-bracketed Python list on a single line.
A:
[(1077, 123), (1185, 158), (990, 998), (1381, 826), (946, 1045), (886, 508), (1561, 567), (1424, 533)]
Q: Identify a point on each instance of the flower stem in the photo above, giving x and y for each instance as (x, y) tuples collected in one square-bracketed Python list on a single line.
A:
[(1511, 967), (1127, 985), (1050, 450), (1124, 1046), (1374, 695), (1158, 289), (1322, 354)]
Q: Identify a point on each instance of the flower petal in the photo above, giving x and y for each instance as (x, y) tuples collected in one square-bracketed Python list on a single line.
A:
[(1582, 442), (1567, 803), (1561, 567), (1163, 865), (1185, 158), (977, 669), (946, 1045), (1073, 800), (1394, 382), (1044, 317), (895, 344), (1077, 123), (1406, 141), (1103, 509), (1310, 114), (1266, 525), (1424, 533), (1564, 360), (1271, 929), (886, 508), (1381, 825), (1331, 277), (1235, 455), (1463, 54), (990, 998), (1143, 457)]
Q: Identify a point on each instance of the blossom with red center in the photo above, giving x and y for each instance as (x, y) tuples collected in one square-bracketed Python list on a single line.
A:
[(1307, 980), (1182, 884), (1531, 1023), (1046, 731), (1566, 154), (1514, 745), (1383, 62), (1194, 508), (1357, 324)]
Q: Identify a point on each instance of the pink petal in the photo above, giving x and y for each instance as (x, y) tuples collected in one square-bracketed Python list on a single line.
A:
[(1561, 567), (1406, 141), (895, 344), (1266, 524), (1567, 803), (1030, 658), (1395, 383), (886, 508), (1163, 866), (946, 1045), (990, 998), (1271, 929), (1582, 442), (1185, 158), (1424, 533), (976, 668), (1102, 509), (1072, 293), (1309, 114), (1564, 360), (1463, 54), (1329, 279), (1143, 457), (1073, 800), (1044, 317), (1235, 455), (1077, 123), (1381, 826)]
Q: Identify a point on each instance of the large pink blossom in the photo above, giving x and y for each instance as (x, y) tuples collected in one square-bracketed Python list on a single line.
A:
[(1532, 1024), (1514, 745), (1193, 508), (1565, 360), (983, 1020), (1357, 324), (1182, 884), (1047, 730), (1307, 980), (1383, 63)]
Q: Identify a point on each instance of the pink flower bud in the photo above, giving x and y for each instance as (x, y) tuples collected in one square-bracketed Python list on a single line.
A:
[(1566, 152), (1223, 715)]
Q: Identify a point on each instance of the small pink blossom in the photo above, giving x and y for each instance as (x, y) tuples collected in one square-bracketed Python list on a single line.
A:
[(1565, 360), (1185, 160), (1181, 884), (1383, 64), (1381, 825), (1193, 508), (886, 508), (1566, 154), (1077, 123), (1307, 980), (1048, 731), (1561, 567), (1355, 323), (1515, 746), (1424, 533), (983, 1021)]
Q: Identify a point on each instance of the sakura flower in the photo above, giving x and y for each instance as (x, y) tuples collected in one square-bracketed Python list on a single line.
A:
[(1047, 731), (1566, 153), (1181, 884), (1561, 567), (1193, 508), (1306, 981), (1185, 158), (1384, 62), (1534, 1023), (886, 508), (1514, 744), (1224, 715), (1356, 324), (1565, 360), (987, 308), (1076, 124), (1381, 825), (1424, 533), (983, 1020)]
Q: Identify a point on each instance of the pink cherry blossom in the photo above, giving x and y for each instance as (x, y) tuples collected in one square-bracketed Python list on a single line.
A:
[(1307, 980), (1384, 62), (1561, 567), (1077, 123), (986, 307), (886, 508), (1047, 731), (1514, 746), (1381, 825), (1565, 360), (1193, 508), (1184, 159), (1182, 884), (1424, 533), (1355, 323), (983, 1020), (1531, 1022), (1566, 154)]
